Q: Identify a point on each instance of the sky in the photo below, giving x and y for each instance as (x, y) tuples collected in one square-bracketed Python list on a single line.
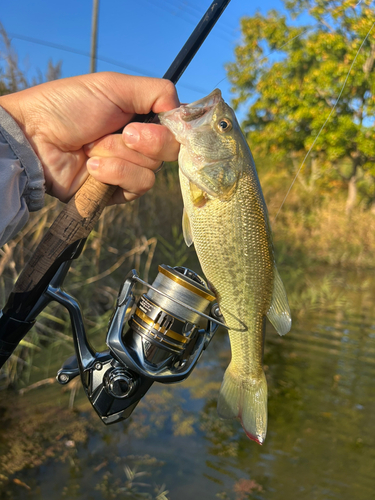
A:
[(142, 37)]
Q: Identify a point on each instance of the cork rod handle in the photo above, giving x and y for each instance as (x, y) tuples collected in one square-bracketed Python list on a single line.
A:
[(74, 222)]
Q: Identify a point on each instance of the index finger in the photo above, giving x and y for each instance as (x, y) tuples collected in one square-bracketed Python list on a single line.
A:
[(135, 94)]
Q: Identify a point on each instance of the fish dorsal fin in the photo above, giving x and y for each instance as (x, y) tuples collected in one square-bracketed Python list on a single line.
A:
[(186, 229), (279, 312)]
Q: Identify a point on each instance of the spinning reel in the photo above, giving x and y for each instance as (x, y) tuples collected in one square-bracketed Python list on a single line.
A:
[(157, 338)]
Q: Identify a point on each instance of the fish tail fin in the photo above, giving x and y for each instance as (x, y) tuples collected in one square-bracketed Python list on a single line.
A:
[(246, 400)]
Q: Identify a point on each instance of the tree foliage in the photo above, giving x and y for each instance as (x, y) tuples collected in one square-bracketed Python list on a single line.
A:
[(291, 75)]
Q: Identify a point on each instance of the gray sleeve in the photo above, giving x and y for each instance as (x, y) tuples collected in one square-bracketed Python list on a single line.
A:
[(21, 179)]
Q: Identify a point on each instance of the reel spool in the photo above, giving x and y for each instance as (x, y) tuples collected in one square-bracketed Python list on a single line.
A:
[(166, 327)]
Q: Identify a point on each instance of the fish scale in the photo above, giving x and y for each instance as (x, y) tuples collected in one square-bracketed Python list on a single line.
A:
[(239, 277), (225, 215)]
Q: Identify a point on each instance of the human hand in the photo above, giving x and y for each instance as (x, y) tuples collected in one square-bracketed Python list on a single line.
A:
[(70, 123)]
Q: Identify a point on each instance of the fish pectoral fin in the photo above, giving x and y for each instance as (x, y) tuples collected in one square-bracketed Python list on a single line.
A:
[(186, 229), (218, 180), (198, 197), (279, 311)]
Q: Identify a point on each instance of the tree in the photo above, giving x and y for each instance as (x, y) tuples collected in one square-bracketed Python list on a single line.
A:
[(290, 76)]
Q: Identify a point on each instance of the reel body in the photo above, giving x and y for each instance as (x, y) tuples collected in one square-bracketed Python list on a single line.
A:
[(159, 338)]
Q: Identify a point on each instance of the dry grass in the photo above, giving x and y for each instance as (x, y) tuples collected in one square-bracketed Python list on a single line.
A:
[(314, 227), (329, 236)]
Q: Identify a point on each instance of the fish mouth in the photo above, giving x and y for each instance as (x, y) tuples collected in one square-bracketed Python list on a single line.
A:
[(197, 109), (190, 116), (193, 111)]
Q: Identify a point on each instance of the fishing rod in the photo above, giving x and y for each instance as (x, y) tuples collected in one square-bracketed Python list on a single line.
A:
[(159, 338)]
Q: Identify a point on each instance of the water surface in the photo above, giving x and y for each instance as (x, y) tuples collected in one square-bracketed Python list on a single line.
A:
[(321, 433)]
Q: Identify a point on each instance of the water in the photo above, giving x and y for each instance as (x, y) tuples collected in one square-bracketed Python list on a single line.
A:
[(321, 433)]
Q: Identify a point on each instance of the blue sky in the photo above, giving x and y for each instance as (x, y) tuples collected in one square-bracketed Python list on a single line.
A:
[(142, 35)]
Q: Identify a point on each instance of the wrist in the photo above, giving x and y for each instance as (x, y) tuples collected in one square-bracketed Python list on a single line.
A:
[(15, 105), (10, 103), (22, 152)]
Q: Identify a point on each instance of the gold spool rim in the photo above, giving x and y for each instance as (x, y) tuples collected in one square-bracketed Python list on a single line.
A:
[(185, 284), (163, 340), (168, 333)]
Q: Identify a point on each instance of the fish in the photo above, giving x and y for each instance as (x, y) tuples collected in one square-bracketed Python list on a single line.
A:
[(226, 217)]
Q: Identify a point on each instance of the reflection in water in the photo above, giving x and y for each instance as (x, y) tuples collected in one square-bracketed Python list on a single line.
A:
[(321, 438)]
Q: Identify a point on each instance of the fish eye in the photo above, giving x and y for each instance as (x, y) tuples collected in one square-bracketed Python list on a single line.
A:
[(224, 125)]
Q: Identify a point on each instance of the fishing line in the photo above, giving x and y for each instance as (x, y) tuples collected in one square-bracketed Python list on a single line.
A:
[(291, 40), (324, 124), (194, 11), (182, 15)]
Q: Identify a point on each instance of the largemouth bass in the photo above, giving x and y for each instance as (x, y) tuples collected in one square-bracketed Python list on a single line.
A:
[(226, 217)]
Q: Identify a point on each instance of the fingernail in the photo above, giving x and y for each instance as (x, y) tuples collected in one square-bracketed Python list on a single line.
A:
[(93, 163), (131, 135), (89, 146)]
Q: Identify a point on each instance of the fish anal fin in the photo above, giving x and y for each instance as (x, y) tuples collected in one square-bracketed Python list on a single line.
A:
[(279, 311), (246, 400), (186, 229)]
